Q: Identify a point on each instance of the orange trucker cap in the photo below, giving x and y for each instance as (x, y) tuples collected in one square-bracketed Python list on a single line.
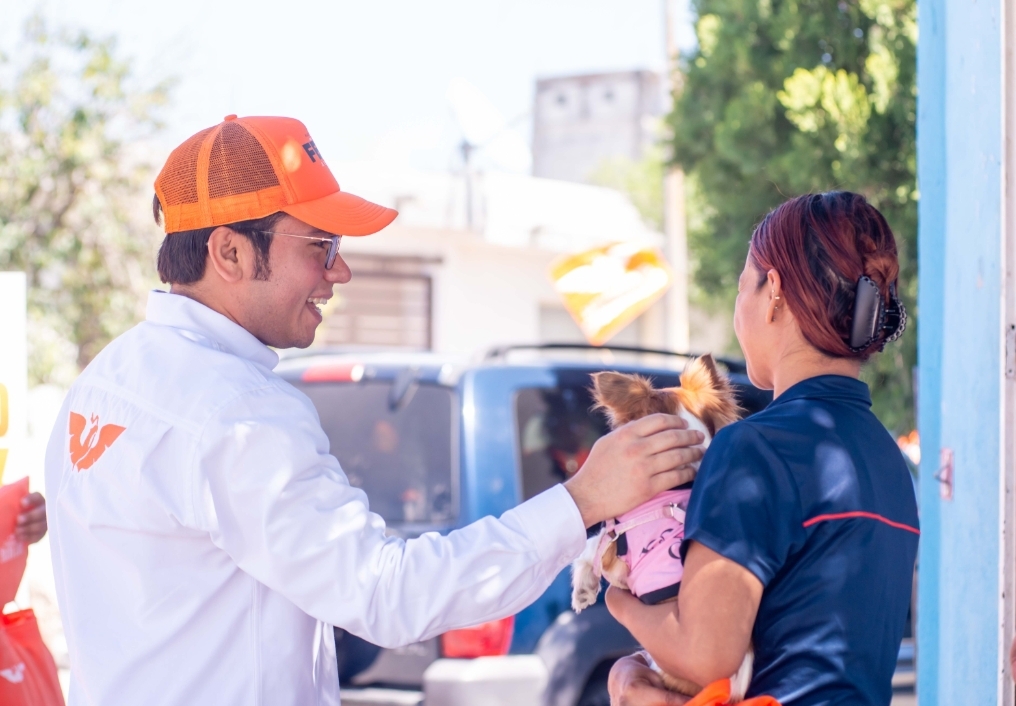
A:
[(245, 168)]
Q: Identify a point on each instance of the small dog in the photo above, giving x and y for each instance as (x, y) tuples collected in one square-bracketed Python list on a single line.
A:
[(640, 551)]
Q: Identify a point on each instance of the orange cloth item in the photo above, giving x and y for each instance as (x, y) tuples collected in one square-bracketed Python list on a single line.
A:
[(13, 552), (28, 674), (27, 671), (245, 168), (718, 693)]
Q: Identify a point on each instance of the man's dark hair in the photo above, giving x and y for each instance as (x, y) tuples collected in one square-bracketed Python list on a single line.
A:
[(182, 255)]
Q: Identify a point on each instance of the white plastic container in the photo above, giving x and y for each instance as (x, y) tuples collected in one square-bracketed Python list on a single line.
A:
[(513, 680)]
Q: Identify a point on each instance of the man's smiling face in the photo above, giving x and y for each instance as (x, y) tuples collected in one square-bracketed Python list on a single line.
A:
[(284, 310)]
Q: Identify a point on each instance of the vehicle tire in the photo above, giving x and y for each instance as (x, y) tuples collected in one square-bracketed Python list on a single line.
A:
[(595, 692)]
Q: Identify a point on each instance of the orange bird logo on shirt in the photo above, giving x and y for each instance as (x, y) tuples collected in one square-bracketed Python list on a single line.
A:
[(86, 452)]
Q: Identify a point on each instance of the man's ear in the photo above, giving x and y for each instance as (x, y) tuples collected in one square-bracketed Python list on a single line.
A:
[(225, 254)]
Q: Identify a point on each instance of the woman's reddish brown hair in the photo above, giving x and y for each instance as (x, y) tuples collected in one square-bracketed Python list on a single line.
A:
[(821, 244)]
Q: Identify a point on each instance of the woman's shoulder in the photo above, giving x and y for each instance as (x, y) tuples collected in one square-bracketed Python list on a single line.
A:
[(743, 434), (744, 444)]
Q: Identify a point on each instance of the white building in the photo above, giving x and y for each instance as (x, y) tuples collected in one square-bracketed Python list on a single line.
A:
[(429, 282), (581, 121)]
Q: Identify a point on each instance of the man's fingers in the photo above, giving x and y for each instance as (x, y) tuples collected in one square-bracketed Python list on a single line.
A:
[(29, 516), (671, 479), (30, 535), (672, 439), (33, 500), (655, 423), (674, 459)]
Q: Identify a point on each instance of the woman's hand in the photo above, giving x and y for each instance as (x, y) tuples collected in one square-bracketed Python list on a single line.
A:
[(633, 683), (31, 526), (633, 463)]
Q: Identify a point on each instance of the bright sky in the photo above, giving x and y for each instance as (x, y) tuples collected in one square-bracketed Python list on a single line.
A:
[(369, 78)]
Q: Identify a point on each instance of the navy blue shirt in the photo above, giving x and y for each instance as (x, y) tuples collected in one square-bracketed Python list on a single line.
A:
[(813, 497)]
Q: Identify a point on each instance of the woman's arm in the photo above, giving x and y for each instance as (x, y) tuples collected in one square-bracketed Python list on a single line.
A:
[(705, 635)]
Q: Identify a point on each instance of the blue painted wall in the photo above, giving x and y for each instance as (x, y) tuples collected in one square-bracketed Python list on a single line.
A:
[(931, 167), (959, 149)]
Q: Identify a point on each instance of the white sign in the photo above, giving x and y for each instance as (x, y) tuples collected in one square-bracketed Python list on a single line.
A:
[(13, 367)]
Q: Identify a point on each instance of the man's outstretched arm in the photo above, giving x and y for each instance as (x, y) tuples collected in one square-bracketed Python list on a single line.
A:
[(276, 501)]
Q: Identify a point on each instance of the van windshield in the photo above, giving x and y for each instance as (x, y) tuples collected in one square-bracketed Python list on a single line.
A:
[(402, 454)]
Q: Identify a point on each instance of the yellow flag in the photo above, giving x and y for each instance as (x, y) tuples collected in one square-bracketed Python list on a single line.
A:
[(606, 288)]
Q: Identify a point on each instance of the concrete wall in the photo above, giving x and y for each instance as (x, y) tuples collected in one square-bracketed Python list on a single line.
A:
[(485, 294), (960, 248), (580, 121)]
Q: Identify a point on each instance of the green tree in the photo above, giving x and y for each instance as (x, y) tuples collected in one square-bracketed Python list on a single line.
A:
[(73, 184), (784, 97)]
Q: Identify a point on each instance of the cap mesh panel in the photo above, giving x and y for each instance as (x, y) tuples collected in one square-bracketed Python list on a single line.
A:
[(179, 179), (238, 164)]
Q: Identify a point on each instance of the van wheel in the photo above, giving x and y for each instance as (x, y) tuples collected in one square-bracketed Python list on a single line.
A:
[(595, 693)]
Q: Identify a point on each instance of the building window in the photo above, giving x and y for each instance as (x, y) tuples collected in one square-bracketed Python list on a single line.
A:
[(387, 304)]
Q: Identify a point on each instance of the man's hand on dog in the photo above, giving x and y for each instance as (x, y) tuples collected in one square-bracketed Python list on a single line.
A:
[(633, 683), (633, 463)]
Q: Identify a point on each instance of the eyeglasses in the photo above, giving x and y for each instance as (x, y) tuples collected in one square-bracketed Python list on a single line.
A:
[(332, 240)]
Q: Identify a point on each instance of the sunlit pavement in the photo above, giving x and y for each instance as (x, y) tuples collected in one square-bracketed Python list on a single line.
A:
[(904, 699), (903, 688)]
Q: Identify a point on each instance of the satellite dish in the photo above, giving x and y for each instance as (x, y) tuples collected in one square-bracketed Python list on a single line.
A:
[(483, 127)]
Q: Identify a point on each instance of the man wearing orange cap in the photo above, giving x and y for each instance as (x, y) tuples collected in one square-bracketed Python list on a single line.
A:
[(203, 536)]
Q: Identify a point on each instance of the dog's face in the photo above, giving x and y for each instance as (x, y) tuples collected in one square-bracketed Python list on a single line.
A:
[(705, 394)]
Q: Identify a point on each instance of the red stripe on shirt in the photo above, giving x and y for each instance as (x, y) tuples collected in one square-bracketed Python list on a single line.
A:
[(858, 513)]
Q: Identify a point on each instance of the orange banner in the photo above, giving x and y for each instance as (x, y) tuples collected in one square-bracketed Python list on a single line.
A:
[(606, 288)]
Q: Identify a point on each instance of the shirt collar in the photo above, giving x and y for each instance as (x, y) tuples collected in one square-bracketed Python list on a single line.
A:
[(828, 387), (185, 313)]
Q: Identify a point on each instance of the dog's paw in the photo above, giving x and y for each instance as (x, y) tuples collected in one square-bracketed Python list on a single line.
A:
[(585, 584), (584, 595)]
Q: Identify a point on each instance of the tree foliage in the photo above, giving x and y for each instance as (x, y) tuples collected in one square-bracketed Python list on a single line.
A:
[(72, 192), (785, 97)]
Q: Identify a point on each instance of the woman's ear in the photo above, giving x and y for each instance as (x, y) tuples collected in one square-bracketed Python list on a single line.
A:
[(776, 305), (224, 253)]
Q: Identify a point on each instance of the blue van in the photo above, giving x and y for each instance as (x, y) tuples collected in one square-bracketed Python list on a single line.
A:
[(437, 443)]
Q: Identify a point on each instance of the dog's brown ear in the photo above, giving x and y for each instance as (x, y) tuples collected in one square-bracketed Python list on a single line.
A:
[(708, 394), (622, 397), (702, 374)]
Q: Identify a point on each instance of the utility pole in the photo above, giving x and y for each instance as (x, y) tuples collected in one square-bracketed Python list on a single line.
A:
[(467, 148), (675, 226)]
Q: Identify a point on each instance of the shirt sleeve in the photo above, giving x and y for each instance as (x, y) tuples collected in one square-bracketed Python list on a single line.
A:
[(276, 501), (744, 503)]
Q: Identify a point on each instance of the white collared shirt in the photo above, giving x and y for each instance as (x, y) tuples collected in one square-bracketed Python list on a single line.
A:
[(204, 539)]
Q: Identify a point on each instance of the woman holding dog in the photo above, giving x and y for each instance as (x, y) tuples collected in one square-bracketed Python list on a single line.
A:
[(802, 528)]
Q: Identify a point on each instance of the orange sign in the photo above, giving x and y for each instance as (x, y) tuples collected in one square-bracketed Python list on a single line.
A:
[(606, 288)]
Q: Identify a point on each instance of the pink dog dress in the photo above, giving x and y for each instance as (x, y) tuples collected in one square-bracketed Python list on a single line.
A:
[(649, 542)]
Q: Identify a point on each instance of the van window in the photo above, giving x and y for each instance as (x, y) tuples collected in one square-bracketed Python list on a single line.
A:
[(403, 458), (555, 432)]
